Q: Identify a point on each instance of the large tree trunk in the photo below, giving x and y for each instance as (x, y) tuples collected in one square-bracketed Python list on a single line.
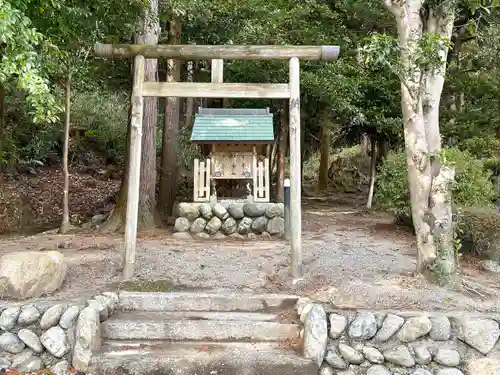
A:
[(190, 102), (325, 115), (147, 216), (65, 223), (169, 159), (429, 182), (282, 146)]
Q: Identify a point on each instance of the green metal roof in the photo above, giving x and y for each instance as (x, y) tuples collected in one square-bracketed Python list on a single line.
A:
[(221, 125)]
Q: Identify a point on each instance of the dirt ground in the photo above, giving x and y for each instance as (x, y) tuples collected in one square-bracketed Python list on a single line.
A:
[(351, 258)]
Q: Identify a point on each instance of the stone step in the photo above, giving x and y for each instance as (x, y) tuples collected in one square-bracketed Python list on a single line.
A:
[(198, 301), (197, 315), (198, 358), (155, 326)]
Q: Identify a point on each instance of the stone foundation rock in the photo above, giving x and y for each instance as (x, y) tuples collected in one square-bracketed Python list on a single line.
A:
[(37, 336), (381, 343), (232, 221)]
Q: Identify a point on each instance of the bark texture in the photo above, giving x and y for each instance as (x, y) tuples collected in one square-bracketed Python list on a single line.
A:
[(324, 115), (429, 181), (147, 216), (282, 146), (169, 159), (65, 223), (373, 171)]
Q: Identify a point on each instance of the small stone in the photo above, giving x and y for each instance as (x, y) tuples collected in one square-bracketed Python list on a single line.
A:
[(189, 211), (305, 311), (441, 328), (276, 225), (68, 318), (219, 236), (10, 343), (254, 209), (259, 225), (185, 236), (363, 327), (31, 340), (9, 317), (421, 353), (338, 324), (245, 225), (490, 265), (182, 224), (51, 317), (447, 357), (275, 210), (391, 324), (421, 371), (335, 360), (4, 363), (481, 334), (229, 226), (378, 370), (236, 211), (326, 370), (21, 357), (399, 355), (315, 334), (348, 372), (206, 211), (55, 341), (484, 366), (252, 236), (113, 300), (220, 211), (98, 219), (213, 225), (237, 237), (373, 355), (301, 304), (60, 368), (87, 338), (100, 307), (31, 364), (414, 328), (198, 225), (29, 315), (450, 371), (266, 236), (202, 236), (350, 354)]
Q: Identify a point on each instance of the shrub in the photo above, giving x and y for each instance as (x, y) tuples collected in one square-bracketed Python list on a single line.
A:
[(472, 187), (479, 231)]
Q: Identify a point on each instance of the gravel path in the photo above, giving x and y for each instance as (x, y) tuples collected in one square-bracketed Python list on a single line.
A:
[(352, 260)]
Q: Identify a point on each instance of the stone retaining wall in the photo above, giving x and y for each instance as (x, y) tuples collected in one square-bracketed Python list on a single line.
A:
[(237, 221), (58, 337), (378, 343)]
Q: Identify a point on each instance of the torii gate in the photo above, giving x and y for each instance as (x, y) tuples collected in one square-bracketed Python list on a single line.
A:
[(290, 90)]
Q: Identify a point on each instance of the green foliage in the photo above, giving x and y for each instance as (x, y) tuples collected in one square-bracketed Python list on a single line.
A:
[(480, 232), (472, 185)]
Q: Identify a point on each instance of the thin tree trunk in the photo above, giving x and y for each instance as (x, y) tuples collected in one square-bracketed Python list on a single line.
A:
[(373, 171), (65, 223), (282, 146), (147, 216), (169, 158), (324, 148), (190, 102), (2, 109)]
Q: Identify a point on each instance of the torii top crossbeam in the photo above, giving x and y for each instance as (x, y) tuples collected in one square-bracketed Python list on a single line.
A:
[(225, 52)]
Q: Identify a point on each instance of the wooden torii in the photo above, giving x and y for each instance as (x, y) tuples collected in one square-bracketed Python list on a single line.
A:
[(141, 89)]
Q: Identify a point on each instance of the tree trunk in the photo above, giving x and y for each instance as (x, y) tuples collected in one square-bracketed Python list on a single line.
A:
[(147, 216), (282, 146), (373, 171), (429, 182), (169, 158), (2, 109), (65, 223), (190, 102), (324, 114)]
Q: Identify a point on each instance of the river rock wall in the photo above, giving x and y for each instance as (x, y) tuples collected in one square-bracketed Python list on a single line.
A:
[(379, 343), (57, 337), (238, 221)]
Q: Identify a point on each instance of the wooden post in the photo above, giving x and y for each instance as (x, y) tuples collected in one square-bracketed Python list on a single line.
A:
[(134, 168), (295, 173), (217, 71)]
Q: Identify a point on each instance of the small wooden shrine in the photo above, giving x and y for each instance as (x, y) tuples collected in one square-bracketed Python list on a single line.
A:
[(235, 142)]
